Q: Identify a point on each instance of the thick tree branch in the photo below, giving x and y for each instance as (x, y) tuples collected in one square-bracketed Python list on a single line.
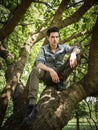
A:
[(76, 36), (78, 14), (4, 53), (58, 15), (19, 66), (70, 20), (93, 56), (59, 12), (13, 20), (91, 80), (15, 71)]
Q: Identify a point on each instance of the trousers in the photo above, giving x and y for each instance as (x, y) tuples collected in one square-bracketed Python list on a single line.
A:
[(37, 75)]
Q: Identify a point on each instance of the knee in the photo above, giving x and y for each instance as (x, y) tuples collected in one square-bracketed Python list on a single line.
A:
[(34, 71)]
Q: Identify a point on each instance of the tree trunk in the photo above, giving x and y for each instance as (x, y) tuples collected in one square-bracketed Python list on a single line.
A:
[(77, 121), (13, 20), (54, 107)]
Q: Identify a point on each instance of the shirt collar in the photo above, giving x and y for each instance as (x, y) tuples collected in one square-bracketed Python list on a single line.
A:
[(58, 47)]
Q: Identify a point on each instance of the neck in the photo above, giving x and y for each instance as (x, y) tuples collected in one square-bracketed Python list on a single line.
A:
[(53, 49)]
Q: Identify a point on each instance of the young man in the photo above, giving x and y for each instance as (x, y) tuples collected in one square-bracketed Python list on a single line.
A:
[(49, 59)]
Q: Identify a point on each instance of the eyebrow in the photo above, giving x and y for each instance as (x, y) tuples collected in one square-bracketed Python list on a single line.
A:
[(54, 36)]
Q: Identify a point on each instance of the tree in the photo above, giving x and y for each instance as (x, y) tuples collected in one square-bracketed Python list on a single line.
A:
[(92, 119), (55, 113)]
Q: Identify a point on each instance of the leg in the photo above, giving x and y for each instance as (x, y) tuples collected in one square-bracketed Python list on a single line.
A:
[(48, 81), (33, 84), (61, 85)]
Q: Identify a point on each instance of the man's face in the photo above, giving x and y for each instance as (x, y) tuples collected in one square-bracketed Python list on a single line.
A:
[(53, 39)]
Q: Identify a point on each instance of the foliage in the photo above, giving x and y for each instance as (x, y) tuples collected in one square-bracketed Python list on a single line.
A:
[(38, 17), (2, 80)]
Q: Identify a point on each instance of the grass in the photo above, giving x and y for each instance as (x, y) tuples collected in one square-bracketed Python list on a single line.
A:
[(83, 125)]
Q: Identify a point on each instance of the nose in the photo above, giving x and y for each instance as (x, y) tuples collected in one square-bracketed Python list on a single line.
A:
[(55, 38)]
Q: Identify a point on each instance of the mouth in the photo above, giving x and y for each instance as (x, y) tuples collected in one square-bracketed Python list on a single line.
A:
[(54, 43)]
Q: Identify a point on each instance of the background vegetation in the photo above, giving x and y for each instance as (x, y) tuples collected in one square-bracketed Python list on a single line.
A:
[(38, 17)]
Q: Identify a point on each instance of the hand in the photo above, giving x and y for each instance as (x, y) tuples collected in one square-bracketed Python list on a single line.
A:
[(54, 76), (73, 60)]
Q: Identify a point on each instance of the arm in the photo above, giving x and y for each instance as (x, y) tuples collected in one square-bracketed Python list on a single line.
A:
[(40, 61), (44, 67), (73, 58), (53, 73)]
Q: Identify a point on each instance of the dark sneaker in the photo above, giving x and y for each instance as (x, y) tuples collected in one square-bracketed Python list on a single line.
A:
[(30, 115), (60, 86)]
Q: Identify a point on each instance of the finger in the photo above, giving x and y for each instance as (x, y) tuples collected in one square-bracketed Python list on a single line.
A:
[(71, 64), (56, 80)]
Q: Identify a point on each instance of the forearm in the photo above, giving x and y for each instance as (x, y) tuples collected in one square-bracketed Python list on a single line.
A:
[(73, 57), (76, 51), (44, 67), (53, 73)]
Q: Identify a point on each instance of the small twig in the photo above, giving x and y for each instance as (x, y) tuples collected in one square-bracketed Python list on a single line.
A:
[(45, 3)]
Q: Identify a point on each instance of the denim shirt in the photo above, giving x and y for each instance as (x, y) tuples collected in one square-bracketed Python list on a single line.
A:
[(53, 60)]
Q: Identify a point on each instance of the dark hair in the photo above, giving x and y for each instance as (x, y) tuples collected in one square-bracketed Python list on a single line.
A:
[(52, 29)]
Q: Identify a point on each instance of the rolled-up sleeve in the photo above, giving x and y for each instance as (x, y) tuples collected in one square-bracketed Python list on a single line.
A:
[(41, 56), (69, 49)]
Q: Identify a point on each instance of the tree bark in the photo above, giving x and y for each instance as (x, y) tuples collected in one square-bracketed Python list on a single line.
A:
[(78, 14), (17, 68), (77, 121), (92, 76), (13, 20), (54, 107)]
